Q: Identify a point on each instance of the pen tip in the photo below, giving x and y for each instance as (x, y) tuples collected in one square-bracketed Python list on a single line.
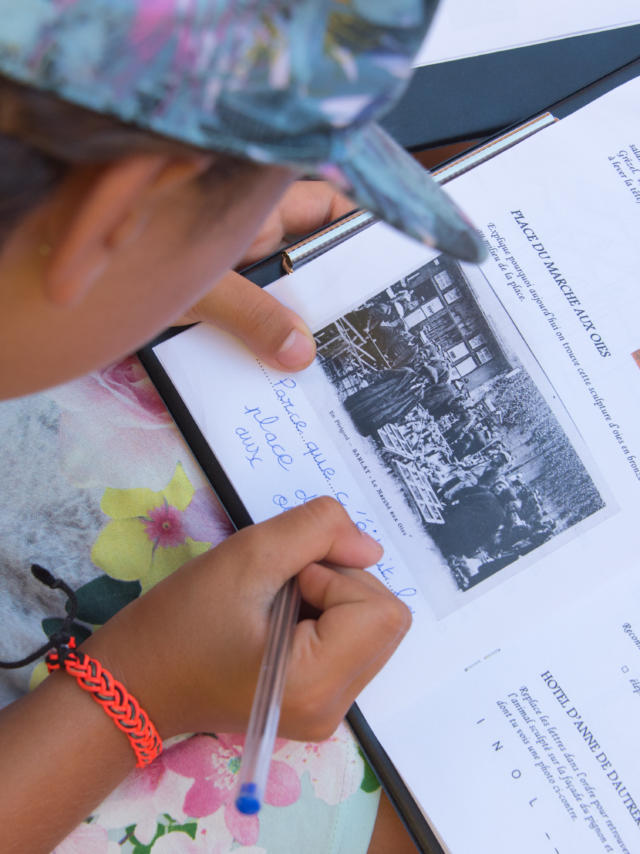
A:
[(248, 802)]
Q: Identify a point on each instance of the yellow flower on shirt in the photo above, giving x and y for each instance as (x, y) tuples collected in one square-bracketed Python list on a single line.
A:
[(149, 535)]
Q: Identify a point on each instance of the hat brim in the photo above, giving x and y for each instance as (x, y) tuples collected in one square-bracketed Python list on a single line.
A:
[(380, 176)]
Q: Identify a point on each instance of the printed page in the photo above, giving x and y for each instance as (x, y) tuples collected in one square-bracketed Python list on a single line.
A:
[(561, 216), (482, 423), (467, 28)]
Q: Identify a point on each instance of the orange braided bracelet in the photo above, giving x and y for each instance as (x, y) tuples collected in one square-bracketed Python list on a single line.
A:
[(114, 698), (61, 654)]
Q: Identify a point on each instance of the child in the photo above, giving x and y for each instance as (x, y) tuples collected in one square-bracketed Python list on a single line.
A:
[(143, 145)]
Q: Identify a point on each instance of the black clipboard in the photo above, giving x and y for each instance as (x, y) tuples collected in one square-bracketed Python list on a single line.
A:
[(267, 271), (474, 97)]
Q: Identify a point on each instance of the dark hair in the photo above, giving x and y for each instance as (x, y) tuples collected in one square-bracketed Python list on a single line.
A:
[(42, 137)]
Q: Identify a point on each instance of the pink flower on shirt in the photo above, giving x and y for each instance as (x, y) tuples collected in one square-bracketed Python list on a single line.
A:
[(128, 382), (335, 766), (86, 837), (139, 800), (116, 431), (213, 765), (164, 526)]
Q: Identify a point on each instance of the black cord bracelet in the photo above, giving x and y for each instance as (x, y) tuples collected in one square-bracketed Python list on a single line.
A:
[(60, 639)]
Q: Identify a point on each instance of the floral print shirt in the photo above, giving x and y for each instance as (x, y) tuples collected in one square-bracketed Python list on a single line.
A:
[(99, 487)]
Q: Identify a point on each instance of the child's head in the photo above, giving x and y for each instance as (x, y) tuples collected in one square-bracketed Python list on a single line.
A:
[(118, 233), (142, 143)]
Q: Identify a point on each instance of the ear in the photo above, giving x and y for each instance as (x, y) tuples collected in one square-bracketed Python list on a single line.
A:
[(111, 213)]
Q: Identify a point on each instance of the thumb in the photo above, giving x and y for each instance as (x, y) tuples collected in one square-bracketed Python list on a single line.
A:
[(274, 333)]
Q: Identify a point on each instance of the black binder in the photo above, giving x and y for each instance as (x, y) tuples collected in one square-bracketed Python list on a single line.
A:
[(476, 96), (272, 268)]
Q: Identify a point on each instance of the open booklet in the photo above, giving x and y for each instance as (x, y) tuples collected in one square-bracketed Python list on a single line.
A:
[(482, 422)]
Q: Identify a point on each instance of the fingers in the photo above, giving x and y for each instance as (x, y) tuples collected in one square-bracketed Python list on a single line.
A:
[(277, 335), (199, 635), (335, 656), (306, 206), (361, 623), (274, 333), (279, 548)]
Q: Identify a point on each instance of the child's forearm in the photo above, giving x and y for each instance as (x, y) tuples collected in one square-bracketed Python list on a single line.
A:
[(60, 755), (189, 650)]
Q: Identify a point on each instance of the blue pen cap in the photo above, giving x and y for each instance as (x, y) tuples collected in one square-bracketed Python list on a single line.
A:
[(248, 801)]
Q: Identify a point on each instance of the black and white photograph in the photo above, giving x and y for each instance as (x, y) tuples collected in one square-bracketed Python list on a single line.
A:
[(457, 421)]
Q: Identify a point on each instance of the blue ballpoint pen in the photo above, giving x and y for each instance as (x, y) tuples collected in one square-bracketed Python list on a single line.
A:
[(265, 712)]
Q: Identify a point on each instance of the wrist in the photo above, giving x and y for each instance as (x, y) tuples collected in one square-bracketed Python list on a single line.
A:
[(111, 695), (124, 654), (72, 709), (56, 733)]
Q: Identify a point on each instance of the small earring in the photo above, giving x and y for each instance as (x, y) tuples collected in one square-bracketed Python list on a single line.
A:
[(44, 250)]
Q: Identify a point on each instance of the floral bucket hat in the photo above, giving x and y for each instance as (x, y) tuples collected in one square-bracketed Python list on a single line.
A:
[(294, 82)]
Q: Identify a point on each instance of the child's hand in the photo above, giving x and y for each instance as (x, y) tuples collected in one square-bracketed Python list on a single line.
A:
[(273, 332), (305, 206), (190, 649)]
